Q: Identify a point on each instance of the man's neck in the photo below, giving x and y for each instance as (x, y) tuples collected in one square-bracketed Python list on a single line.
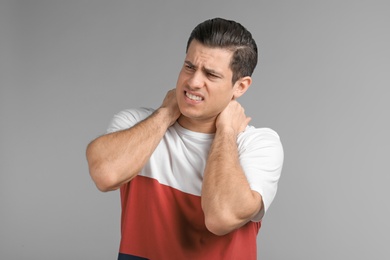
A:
[(206, 126)]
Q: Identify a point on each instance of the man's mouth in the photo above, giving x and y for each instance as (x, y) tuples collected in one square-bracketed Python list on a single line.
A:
[(193, 97)]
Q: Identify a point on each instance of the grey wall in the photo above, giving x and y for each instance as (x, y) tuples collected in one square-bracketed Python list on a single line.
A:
[(322, 83)]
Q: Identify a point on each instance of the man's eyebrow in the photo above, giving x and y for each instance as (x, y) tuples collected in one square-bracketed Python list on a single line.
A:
[(207, 70), (211, 71), (189, 63)]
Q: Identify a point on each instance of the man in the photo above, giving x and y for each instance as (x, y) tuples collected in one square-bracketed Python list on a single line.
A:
[(195, 180)]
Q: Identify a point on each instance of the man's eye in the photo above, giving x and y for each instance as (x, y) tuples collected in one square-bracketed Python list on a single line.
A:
[(211, 75), (189, 67)]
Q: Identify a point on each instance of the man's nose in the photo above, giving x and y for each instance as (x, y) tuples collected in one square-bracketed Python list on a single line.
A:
[(196, 80)]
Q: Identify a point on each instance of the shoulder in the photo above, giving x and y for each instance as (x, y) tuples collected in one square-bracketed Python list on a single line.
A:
[(136, 114), (262, 142), (128, 118), (253, 134)]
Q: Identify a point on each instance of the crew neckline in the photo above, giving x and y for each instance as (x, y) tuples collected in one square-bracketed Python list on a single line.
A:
[(191, 133)]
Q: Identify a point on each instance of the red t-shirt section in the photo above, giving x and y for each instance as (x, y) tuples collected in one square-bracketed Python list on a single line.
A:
[(160, 222)]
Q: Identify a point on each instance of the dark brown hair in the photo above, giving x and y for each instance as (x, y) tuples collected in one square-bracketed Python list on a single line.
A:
[(222, 33)]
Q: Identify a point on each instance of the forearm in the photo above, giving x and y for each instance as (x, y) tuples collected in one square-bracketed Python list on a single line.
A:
[(227, 199), (116, 158)]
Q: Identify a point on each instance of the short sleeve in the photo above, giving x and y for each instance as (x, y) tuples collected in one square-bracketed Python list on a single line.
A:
[(261, 157), (128, 118)]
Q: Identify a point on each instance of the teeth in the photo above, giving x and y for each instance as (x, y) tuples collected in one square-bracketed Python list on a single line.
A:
[(193, 97)]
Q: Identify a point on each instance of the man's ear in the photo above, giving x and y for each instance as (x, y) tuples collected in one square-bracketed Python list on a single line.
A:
[(241, 86)]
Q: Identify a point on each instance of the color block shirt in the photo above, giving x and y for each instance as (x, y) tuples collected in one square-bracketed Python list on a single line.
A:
[(162, 216)]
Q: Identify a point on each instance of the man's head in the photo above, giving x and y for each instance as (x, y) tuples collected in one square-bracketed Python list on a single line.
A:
[(220, 58), (226, 34)]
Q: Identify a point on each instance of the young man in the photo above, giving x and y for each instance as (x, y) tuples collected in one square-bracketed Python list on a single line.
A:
[(195, 179)]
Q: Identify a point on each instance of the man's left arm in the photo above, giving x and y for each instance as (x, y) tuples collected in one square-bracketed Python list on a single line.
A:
[(227, 199)]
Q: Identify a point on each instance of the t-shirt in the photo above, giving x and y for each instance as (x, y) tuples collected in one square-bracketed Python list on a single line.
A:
[(162, 216)]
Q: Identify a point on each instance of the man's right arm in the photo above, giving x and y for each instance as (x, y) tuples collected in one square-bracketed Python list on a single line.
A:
[(116, 158)]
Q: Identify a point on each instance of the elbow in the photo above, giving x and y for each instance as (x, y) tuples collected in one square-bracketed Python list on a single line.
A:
[(101, 175), (216, 228), (225, 220), (103, 187), (220, 224), (103, 180)]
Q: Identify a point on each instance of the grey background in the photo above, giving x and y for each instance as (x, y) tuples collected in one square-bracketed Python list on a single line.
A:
[(322, 83)]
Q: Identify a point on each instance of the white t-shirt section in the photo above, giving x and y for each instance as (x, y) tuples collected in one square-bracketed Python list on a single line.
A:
[(180, 158)]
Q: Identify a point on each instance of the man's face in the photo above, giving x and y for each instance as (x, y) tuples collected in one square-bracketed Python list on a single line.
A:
[(204, 86)]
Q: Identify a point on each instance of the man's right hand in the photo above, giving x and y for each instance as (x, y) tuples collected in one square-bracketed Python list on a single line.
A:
[(171, 106)]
